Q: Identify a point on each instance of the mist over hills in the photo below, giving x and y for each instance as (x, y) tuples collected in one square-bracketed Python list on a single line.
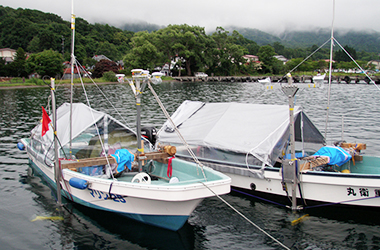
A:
[(48, 27), (367, 40), (141, 26)]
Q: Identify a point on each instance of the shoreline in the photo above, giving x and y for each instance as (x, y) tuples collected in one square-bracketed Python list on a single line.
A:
[(57, 85)]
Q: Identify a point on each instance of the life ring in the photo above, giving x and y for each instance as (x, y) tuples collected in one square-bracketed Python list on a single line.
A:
[(141, 178)]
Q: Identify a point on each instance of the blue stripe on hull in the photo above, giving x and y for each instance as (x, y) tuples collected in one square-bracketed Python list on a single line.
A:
[(171, 222)]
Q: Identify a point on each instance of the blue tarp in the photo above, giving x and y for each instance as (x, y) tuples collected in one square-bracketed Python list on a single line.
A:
[(337, 155), (123, 158)]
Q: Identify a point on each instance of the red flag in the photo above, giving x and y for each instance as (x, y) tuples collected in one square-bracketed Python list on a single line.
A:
[(45, 121)]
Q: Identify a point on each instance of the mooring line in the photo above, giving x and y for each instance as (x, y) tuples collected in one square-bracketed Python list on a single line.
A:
[(260, 198), (244, 217), (341, 202)]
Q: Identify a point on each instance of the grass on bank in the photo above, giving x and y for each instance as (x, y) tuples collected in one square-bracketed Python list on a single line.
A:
[(18, 81)]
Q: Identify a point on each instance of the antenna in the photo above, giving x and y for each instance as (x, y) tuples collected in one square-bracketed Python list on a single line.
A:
[(72, 73), (330, 69)]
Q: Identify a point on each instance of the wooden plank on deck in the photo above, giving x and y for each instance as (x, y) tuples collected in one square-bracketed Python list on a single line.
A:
[(87, 162), (98, 161)]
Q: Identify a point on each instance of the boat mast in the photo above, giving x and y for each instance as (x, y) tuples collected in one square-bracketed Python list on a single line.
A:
[(57, 171), (72, 74), (290, 91), (330, 69), (139, 77)]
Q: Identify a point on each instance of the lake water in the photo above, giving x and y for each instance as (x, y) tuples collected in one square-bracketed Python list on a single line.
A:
[(212, 225)]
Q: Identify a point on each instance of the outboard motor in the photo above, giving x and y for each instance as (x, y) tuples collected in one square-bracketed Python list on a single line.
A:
[(149, 133)]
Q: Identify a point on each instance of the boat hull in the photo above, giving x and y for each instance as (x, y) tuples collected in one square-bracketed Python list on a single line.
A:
[(333, 188)]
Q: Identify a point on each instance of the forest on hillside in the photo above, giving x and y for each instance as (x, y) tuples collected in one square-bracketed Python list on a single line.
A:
[(219, 53)]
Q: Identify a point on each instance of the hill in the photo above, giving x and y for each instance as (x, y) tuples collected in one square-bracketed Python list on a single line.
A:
[(35, 31)]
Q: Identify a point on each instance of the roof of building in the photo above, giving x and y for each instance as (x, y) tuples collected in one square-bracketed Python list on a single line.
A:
[(100, 57)]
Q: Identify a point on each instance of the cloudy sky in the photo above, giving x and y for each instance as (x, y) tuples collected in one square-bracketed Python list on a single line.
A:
[(266, 15)]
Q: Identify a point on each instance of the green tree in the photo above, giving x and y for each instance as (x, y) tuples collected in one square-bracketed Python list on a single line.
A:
[(251, 46), (89, 62), (3, 68), (144, 53), (320, 65), (17, 67), (164, 40), (296, 62), (279, 48), (34, 45), (266, 54), (346, 65), (122, 41), (48, 39), (227, 55), (109, 76), (48, 62), (341, 55), (278, 67), (107, 49), (186, 43)]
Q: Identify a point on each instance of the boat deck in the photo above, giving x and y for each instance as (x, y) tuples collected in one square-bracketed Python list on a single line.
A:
[(156, 180), (369, 165)]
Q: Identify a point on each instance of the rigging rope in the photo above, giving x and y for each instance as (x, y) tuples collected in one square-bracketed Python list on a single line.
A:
[(372, 81), (315, 51), (176, 129), (244, 217), (77, 63), (258, 197)]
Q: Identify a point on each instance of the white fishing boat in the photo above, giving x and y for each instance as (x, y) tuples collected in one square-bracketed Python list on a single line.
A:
[(105, 172), (275, 151), (319, 79), (248, 143), (265, 81), (92, 159)]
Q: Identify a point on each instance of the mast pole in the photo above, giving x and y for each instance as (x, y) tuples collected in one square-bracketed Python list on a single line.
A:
[(330, 69), (140, 149), (57, 171), (72, 74), (139, 76), (290, 91)]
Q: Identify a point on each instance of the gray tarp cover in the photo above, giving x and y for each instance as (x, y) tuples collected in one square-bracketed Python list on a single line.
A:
[(83, 116), (259, 129)]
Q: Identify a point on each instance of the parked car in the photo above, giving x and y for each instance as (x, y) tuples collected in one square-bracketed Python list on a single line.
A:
[(201, 74)]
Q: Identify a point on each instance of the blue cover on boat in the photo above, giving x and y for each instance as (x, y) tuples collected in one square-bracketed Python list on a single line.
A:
[(123, 158), (297, 155), (338, 156)]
